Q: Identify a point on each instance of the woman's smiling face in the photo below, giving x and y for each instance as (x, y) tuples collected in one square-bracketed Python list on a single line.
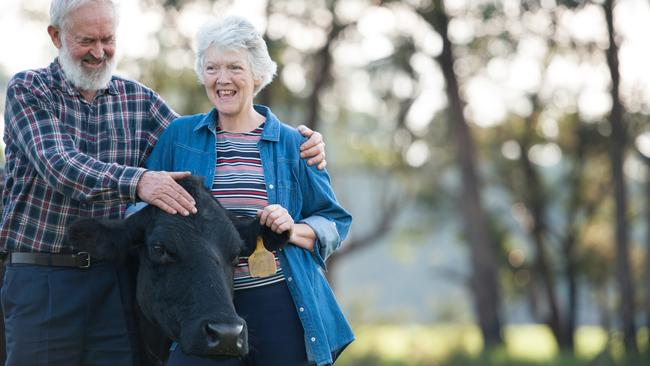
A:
[(228, 80)]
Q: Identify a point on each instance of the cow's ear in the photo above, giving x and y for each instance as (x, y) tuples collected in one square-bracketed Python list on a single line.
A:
[(108, 239), (249, 229), (272, 240)]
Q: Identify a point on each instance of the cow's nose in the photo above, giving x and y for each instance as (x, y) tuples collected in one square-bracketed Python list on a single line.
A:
[(227, 339)]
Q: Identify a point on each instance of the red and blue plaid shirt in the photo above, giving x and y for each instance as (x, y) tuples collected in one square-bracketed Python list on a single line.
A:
[(68, 158)]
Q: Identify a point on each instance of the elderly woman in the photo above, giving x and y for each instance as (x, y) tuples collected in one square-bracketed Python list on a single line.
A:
[(251, 163)]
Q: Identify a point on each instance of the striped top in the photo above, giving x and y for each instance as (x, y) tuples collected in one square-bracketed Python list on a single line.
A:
[(239, 185)]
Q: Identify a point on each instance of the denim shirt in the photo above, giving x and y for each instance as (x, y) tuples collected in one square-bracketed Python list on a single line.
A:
[(188, 144)]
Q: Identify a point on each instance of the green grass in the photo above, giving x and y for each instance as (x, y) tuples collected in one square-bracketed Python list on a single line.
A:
[(458, 345)]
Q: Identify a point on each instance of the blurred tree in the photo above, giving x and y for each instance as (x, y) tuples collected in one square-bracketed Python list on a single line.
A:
[(580, 208), (526, 184), (322, 75), (484, 272), (646, 279), (535, 200), (560, 258), (618, 143)]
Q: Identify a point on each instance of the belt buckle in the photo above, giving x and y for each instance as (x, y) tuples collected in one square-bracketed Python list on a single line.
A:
[(83, 259)]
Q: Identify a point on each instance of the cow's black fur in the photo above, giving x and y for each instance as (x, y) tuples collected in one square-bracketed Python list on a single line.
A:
[(184, 269)]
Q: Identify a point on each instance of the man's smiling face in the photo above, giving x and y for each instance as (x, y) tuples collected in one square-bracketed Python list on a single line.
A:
[(87, 45)]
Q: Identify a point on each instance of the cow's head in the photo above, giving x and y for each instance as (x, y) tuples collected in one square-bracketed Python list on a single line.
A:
[(185, 275)]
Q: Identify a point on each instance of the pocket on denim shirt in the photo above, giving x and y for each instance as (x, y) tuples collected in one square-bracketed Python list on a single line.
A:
[(289, 197), (191, 159)]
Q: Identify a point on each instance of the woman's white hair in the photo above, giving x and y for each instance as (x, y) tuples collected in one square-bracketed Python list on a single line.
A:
[(236, 33), (59, 9)]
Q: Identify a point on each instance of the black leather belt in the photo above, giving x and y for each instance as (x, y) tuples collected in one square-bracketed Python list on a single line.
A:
[(78, 260)]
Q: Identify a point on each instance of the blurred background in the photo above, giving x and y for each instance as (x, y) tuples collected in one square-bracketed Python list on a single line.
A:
[(495, 156)]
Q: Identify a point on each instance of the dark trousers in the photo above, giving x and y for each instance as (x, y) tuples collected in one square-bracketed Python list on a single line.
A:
[(67, 316), (275, 334)]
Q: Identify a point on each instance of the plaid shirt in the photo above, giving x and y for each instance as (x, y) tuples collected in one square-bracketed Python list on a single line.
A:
[(67, 158)]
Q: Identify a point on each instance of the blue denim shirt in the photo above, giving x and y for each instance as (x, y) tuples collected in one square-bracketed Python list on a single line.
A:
[(188, 144)]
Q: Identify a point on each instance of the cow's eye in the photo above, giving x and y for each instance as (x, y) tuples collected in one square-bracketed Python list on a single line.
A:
[(160, 254), (159, 249)]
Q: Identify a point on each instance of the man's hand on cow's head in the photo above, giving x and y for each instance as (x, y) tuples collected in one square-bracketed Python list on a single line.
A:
[(161, 190), (313, 148)]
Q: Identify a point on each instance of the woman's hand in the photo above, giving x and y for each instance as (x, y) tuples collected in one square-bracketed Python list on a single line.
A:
[(276, 217)]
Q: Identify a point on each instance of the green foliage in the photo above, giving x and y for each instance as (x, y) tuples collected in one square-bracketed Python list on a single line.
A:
[(497, 358), (439, 345)]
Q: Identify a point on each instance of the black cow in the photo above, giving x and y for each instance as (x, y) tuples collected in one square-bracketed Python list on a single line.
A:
[(184, 274)]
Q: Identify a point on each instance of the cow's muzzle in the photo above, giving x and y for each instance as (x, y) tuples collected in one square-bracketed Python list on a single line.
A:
[(226, 339)]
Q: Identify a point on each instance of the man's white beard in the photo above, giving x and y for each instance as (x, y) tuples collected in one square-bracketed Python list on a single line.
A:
[(81, 78)]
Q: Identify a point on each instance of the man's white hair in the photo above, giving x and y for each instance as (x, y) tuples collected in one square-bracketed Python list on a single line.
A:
[(59, 9), (236, 33)]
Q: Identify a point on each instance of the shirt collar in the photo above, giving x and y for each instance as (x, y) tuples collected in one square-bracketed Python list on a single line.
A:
[(271, 130), (59, 81)]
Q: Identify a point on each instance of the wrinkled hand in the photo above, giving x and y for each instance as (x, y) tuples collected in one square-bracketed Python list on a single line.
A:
[(313, 148), (276, 217), (161, 190)]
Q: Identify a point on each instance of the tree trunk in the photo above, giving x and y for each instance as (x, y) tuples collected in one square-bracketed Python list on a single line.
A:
[(617, 151), (484, 276), (534, 200), (569, 242), (568, 245), (647, 255), (322, 73)]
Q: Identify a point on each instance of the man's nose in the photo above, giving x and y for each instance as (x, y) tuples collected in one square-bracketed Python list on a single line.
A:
[(97, 51)]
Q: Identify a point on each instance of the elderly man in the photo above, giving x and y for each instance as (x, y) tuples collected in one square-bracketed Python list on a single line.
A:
[(76, 136)]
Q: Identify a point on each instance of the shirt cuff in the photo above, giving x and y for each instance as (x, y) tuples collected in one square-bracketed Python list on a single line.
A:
[(133, 208), (128, 183), (327, 238)]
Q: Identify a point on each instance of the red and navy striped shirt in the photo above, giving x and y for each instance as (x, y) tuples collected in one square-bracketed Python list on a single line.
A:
[(68, 158), (239, 185)]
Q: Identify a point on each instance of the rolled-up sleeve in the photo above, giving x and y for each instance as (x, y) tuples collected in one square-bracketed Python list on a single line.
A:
[(327, 238), (322, 212)]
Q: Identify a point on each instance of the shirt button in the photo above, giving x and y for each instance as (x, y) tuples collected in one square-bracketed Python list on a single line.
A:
[(313, 339), (271, 186), (301, 309), (290, 279)]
